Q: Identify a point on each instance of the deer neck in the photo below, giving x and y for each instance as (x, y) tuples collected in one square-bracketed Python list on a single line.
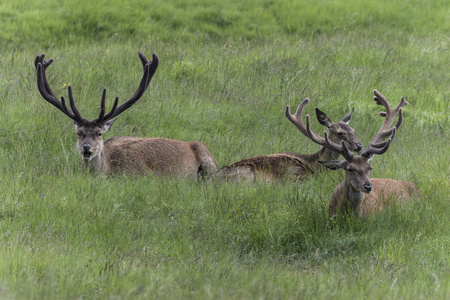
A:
[(353, 199), (323, 154), (327, 154), (96, 165)]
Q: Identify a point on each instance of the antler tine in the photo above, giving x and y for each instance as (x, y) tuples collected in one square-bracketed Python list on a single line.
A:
[(76, 113), (101, 115), (388, 132), (102, 107), (382, 100), (66, 110), (347, 154), (45, 63), (154, 65), (379, 148), (45, 93), (389, 116), (325, 142), (296, 119), (149, 70)]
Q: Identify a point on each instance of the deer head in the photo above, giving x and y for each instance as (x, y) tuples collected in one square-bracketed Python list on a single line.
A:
[(90, 141), (358, 168), (339, 131)]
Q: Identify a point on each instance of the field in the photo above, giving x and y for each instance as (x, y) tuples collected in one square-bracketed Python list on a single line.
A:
[(228, 69)]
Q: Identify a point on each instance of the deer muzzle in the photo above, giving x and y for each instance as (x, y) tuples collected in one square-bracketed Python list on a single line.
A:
[(368, 187), (86, 151)]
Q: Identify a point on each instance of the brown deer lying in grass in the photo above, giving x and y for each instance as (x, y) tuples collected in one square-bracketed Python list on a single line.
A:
[(130, 155), (278, 166), (358, 193)]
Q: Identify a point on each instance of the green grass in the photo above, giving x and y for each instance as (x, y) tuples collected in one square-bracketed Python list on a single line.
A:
[(227, 71)]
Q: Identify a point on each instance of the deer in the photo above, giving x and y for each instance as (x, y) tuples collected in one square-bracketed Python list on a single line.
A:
[(297, 166), (126, 154), (358, 194)]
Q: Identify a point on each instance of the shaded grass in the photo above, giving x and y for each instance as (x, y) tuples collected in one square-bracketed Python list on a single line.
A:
[(189, 236)]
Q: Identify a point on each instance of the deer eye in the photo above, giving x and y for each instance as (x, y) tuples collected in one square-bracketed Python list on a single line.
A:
[(350, 170), (340, 133), (99, 134)]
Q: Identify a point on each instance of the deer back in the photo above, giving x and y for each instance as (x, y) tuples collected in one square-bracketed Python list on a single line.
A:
[(268, 168), (139, 156), (388, 191)]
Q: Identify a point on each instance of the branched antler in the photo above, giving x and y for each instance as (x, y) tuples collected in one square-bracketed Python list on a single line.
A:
[(296, 119), (149, 70), (47, 93), (378, 145)]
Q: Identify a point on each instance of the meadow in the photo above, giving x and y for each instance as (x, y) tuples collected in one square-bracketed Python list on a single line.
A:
[(227, 71)]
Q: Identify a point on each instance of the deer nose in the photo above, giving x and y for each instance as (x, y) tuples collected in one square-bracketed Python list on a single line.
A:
[(368, 187), (86, 147), (359, 147)]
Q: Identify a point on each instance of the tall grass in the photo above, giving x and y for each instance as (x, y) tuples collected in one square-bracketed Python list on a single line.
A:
[(227, 71)]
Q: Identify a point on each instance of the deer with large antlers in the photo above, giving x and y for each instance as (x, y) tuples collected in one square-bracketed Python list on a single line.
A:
[(358, 193), (274, 167), (130, 155)]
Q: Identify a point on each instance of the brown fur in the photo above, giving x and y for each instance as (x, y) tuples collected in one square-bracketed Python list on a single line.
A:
[(385, 191), (269, 168), (140, 156), (360, 194)]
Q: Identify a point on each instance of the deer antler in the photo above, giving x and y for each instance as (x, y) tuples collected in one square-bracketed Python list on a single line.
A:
[(44, 64), (377, 146), (149, 70), (47, 93), (296, 119)]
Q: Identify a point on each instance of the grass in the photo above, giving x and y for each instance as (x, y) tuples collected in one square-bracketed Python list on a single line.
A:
[(227, 71)]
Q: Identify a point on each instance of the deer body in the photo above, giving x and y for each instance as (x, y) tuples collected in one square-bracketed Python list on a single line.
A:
[(269, 168), (140, 156), (346, 199), (129, 155), (297, 166), (278, 166)]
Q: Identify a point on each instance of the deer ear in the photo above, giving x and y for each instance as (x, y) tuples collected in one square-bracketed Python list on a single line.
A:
[(323, 118), (107, 125), (75, 124), (348, 117), (334, 164)]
